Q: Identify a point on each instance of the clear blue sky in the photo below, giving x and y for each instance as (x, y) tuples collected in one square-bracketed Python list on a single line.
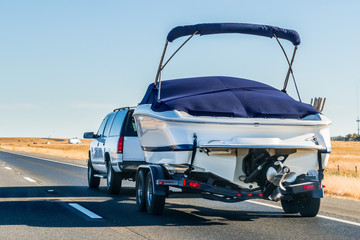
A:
[(65, 64)]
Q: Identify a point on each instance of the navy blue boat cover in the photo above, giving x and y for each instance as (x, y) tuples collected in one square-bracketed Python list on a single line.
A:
[(246, 28), (225, 97)]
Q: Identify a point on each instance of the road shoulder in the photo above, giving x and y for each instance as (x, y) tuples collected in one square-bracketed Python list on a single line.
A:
[(50, 157)]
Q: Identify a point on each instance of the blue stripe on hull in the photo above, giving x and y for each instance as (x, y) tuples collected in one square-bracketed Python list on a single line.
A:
[(171, 148)]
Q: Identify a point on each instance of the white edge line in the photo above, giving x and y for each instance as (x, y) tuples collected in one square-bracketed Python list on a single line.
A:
[(264, 204), (29, 179), (320, 216), (49, 160), (339, 220), (85, 211), (8, 168)]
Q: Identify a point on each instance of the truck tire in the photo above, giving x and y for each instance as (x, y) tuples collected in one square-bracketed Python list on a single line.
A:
[(140, 190), (113, 180), (290, 206), (309, 206), (154, 203), (93, 181)]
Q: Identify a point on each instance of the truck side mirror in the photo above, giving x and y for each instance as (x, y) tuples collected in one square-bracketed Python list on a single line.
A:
[(89, 135)]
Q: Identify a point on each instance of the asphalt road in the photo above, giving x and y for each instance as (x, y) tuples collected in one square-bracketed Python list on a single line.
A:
[(37, 200)]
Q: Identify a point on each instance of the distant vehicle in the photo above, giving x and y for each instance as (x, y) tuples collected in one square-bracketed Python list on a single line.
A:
[(73, 141), (115, 151)]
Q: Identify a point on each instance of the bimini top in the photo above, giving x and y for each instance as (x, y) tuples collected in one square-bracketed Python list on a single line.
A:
[(225, 97), (245, 28)]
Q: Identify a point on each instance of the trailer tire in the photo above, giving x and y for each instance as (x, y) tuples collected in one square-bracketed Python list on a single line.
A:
[(93, 182), (154, 203), (309, 206), (113, 179), (290, 206), (140, 191)]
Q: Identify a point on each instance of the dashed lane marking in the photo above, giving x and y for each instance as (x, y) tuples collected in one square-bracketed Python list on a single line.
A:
[(85, 211), (8, 168), (29, 179)]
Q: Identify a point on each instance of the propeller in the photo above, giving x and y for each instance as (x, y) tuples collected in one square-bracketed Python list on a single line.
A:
[(277, 178)]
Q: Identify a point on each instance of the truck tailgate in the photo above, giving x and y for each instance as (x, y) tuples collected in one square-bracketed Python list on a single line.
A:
[(132, 149)]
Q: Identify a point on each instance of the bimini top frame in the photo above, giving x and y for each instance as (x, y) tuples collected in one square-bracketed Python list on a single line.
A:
[(219, 28)]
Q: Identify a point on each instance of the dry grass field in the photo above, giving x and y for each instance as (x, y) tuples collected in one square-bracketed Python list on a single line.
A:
[(344, 158), (341, 179), (55, 147)]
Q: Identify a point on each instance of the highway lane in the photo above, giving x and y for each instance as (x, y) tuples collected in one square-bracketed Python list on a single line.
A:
[(40, 209)]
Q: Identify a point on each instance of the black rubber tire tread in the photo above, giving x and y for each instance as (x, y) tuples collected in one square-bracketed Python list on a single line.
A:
[(309, 206), (93, 182), (157, 203), (114, 183), (140, 197), (290, 206)]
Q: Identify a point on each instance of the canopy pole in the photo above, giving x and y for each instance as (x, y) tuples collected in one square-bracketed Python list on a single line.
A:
[(288, 73), (161, 67), (161, 61), (178, 50), (290, 64), (159, 87)]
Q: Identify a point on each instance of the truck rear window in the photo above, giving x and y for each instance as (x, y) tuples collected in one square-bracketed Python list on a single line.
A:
[(130, 127)]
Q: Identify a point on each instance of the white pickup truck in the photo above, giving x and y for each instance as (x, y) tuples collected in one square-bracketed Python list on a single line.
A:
[(115, 151)]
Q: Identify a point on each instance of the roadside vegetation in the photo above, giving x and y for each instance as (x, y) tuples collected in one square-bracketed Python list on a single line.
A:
[(349, 137), (342, 174), (49, 146)]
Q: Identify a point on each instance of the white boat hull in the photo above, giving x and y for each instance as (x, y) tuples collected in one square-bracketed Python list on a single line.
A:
[(167, 138)]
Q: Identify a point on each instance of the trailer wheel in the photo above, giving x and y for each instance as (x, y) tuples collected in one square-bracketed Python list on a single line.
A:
[(154, 203), (93, 181), (309, 206), (113, 180), (140, 191), (290, 206)]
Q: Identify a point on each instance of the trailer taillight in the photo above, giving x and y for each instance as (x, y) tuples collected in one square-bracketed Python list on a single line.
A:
[(250, 195), (194, 184), (120, 147), (308, 187)]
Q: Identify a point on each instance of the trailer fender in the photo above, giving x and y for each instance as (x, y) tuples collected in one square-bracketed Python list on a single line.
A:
[(156, 172), (318, 193)]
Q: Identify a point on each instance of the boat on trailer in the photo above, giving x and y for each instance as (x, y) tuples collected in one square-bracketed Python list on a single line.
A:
[(232, 138)]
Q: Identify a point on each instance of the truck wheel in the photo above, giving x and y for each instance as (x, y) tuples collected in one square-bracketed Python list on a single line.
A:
[(113, 180), (140, 191), (290, 206), (93, 181), (309, 206), (154, 203)]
